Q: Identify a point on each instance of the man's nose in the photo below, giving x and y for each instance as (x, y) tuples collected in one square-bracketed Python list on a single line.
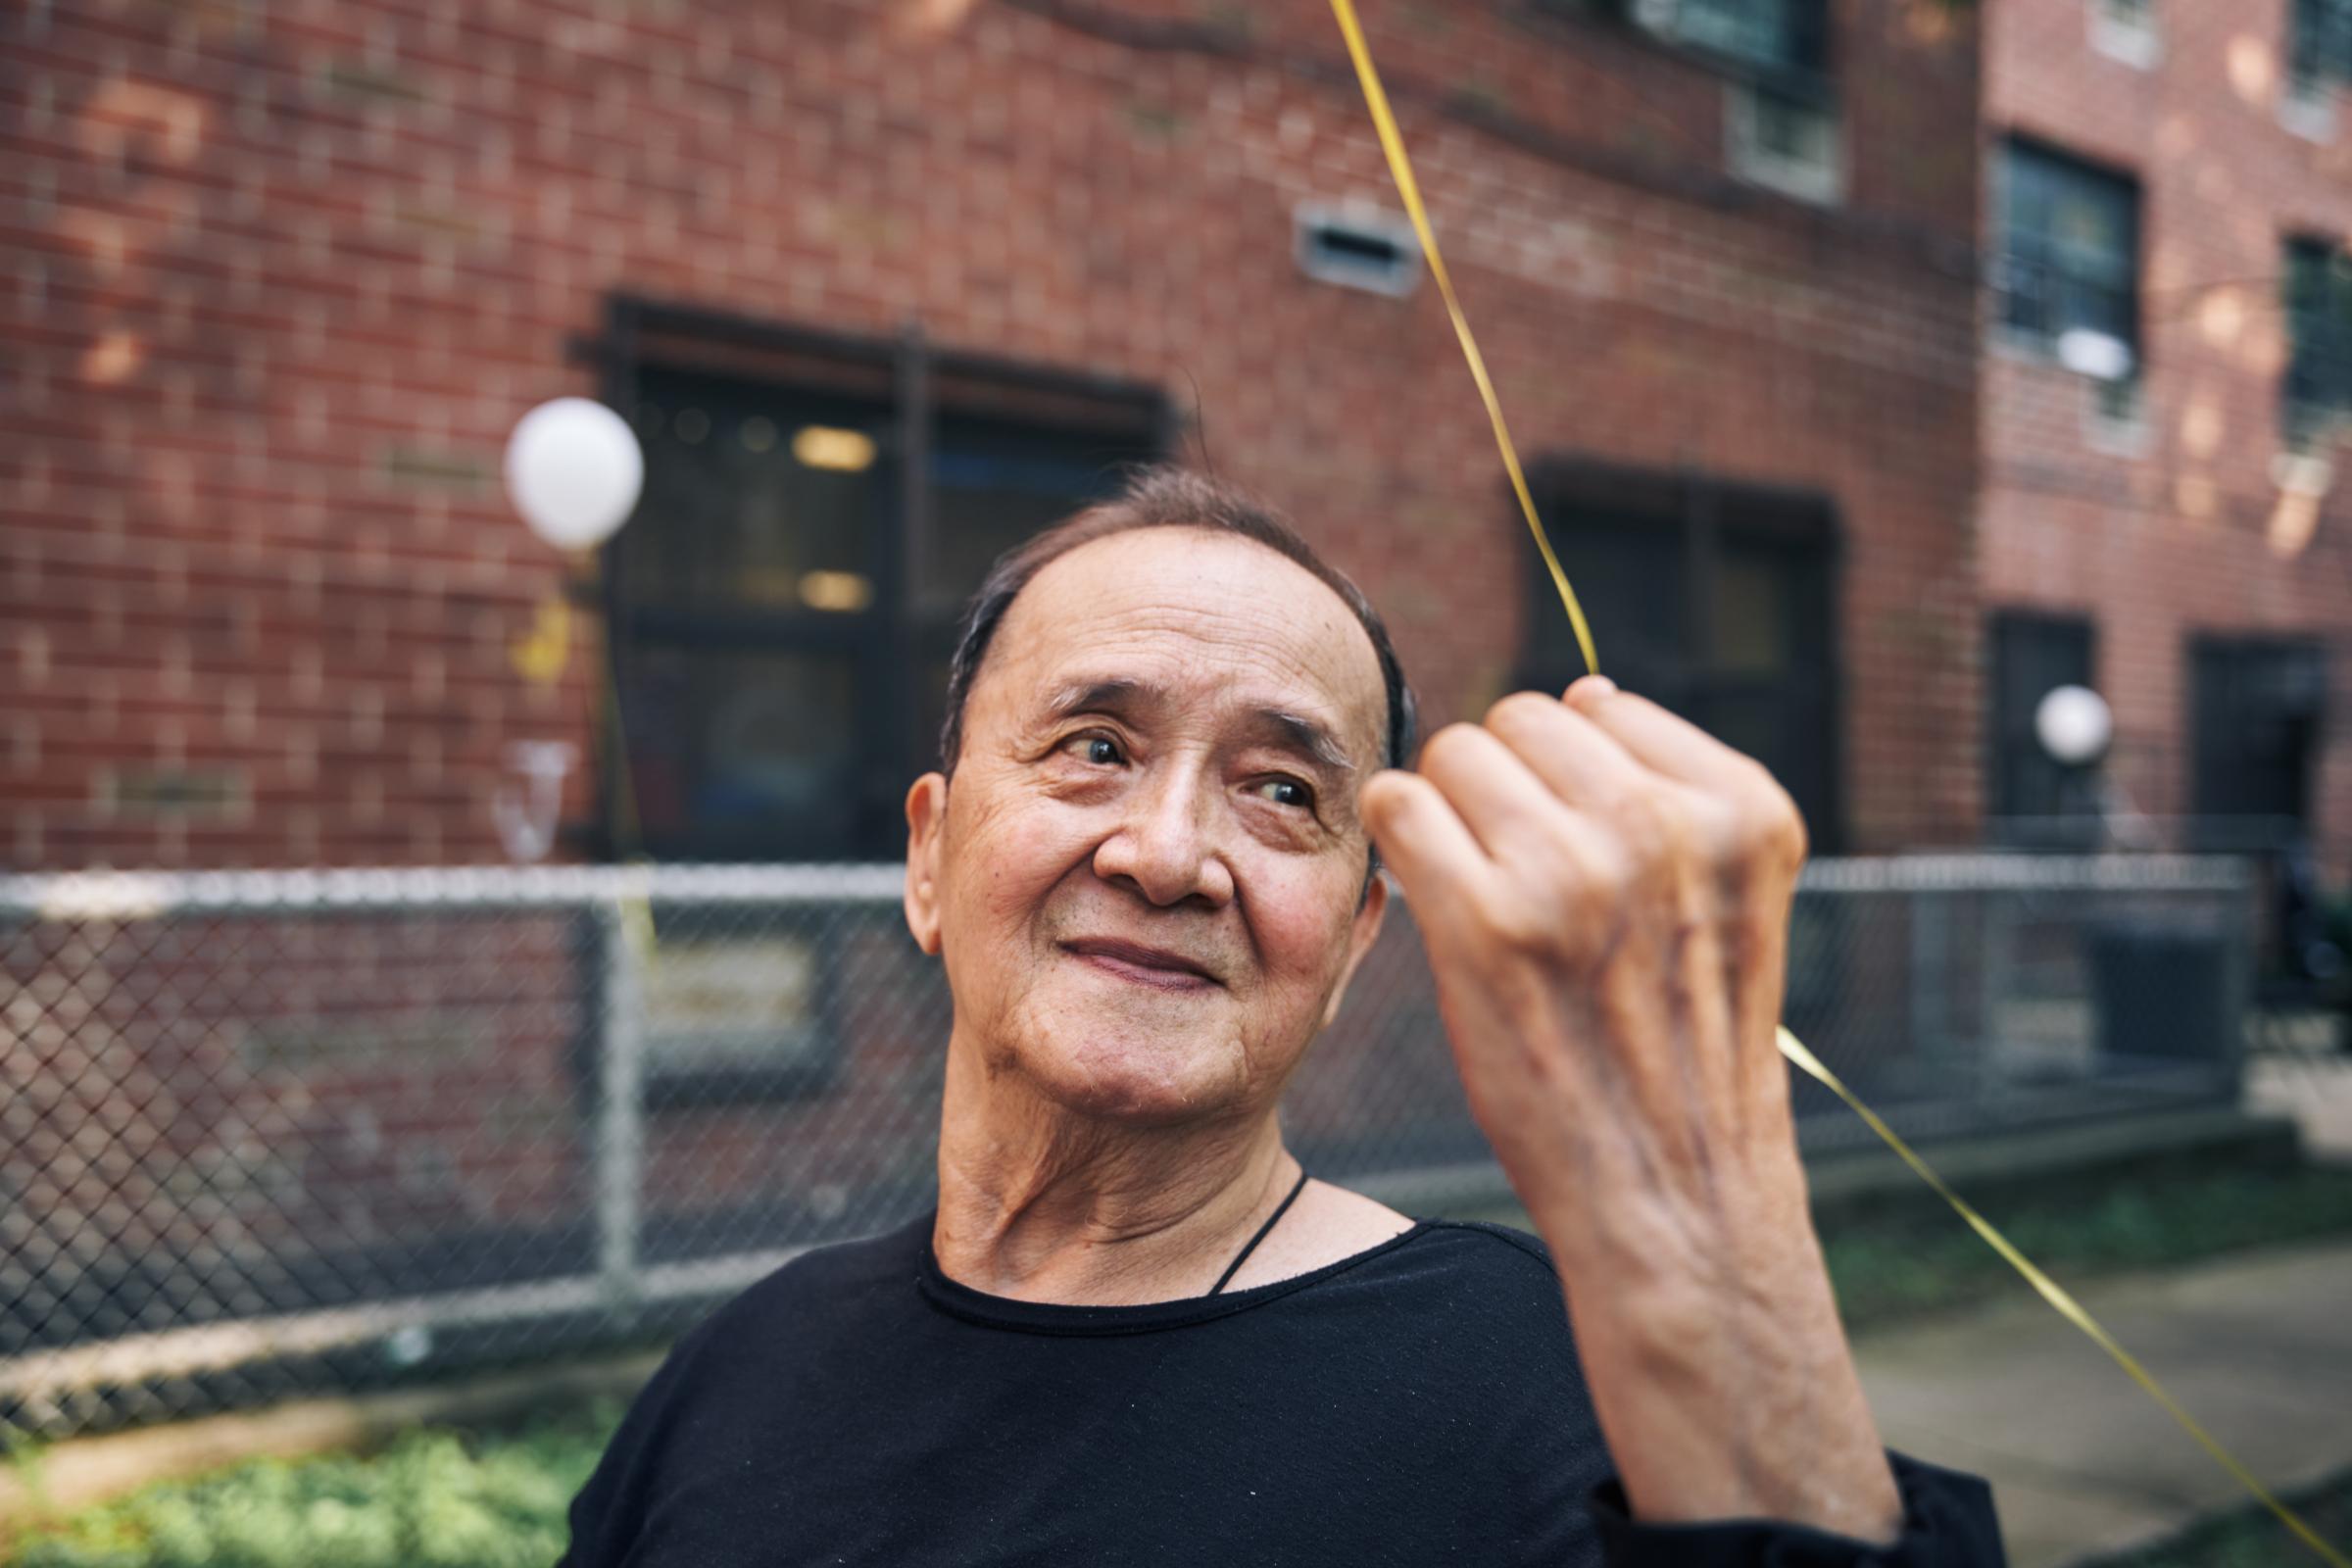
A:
[(1166, 847)]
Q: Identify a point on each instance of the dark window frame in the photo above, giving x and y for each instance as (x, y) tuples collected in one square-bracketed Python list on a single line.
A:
[(1797, 59), (2316, 298), (1799, 66), (2215, 724), (1700, 515), (2032, 271), (2318, 45), (920, 382)]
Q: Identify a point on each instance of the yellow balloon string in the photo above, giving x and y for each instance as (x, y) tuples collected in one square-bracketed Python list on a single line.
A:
[(636, 895), (2058, 1296), (1392, 143)]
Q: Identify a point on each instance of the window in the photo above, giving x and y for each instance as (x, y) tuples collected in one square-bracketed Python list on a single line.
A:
[(1780, 123), (1715, 600), (2256, 707), (2033, 654), (2318, 288), (2318, 51), (2068, 250), (1781, 37), (783, 603)]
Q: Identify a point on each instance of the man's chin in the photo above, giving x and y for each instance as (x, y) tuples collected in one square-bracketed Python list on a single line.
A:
[(1140, 1076)]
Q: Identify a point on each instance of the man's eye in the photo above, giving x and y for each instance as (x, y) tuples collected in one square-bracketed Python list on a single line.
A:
[(1101, 750), (1286, 792)]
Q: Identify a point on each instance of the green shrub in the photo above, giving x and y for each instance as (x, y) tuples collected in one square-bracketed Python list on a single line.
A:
[(434, 1499), (1909, 1256)]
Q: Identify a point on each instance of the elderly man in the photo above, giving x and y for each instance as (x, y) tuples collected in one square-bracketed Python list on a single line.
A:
[(1134, 1330)]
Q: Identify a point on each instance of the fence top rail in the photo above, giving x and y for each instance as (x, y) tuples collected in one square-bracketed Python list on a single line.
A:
[(86, 895), (1998, 872), (143, 896)]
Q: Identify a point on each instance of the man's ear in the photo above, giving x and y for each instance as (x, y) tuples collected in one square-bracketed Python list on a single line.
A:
[(1360, 937), (926, 821)]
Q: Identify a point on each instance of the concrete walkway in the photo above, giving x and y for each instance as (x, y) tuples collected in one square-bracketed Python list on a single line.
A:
[(2082, 1460)]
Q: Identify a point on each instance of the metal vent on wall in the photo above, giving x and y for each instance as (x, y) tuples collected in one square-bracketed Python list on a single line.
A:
[(1357, 246)]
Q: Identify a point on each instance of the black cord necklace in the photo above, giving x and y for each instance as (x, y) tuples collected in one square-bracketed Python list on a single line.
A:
[(1251, 1246)]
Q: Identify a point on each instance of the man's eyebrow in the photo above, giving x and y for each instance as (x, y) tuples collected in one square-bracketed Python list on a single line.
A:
[(1310, 736), (1108, 696), (1307, 736)]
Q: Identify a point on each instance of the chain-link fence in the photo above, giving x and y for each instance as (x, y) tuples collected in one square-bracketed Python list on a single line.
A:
[(268, 1133)]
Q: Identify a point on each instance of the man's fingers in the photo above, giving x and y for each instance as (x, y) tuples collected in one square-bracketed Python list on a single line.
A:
[(1659, 740), (1497, 797), (1576, 759), (1760, 830), (1422, 839)]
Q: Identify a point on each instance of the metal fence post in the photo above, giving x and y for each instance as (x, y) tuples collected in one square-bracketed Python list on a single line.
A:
[(1993, 1052), (2241, 918), (620, 1106), (1931, 1005)]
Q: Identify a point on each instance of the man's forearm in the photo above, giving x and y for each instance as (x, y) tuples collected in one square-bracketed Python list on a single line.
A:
[(1726, 1389)]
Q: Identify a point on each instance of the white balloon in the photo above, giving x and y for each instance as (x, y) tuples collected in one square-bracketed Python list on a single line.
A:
[(574, 470), (2073, 724)]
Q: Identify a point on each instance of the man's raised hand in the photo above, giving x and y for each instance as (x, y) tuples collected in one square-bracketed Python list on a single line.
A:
[(1604, 889)]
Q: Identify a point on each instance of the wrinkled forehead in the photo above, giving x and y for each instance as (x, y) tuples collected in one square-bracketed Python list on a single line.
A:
[(1221, 622)]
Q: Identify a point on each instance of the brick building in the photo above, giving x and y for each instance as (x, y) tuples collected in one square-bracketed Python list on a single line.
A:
[(883, 286), (2173, 527)]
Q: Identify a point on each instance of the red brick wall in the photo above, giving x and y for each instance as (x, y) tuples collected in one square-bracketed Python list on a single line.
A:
[(282, 279), (2170, 532)]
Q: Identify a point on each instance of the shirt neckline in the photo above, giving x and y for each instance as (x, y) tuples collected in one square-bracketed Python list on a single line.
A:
[(961, 1300)]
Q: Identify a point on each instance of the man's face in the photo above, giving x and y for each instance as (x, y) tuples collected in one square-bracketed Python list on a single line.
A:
[(1147, 880)]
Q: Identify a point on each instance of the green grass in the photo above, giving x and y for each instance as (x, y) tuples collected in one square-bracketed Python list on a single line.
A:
[(2252, 1536), (434, 1499), (1898, 1258)]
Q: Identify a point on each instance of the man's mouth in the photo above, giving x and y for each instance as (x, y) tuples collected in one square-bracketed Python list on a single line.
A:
[(1156, 968)]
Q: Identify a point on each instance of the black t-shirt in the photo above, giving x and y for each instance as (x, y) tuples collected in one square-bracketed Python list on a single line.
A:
[(1417, 1403)]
